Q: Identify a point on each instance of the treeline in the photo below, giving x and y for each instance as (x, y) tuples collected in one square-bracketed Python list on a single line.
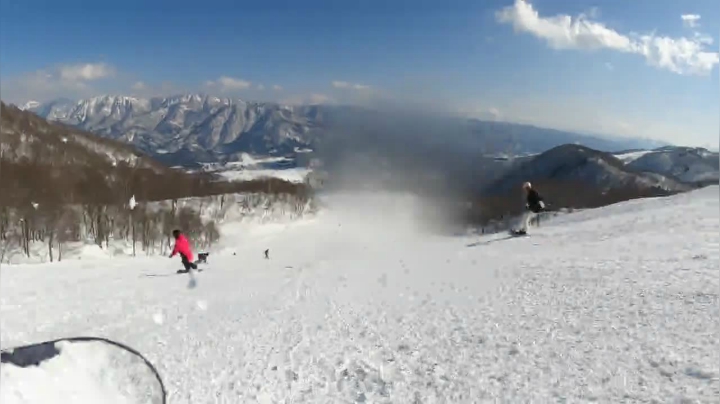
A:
[(144, 227), (58, 204), (56, 226), (25, 181)]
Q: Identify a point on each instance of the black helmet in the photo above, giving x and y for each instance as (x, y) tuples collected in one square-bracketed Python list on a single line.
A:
[(176, 233)]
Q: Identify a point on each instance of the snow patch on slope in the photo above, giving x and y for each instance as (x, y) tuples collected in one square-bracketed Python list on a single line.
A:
[(254, 167), (631, 156)]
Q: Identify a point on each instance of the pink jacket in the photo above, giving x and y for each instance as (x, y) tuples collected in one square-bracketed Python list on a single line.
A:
[(182, 246)]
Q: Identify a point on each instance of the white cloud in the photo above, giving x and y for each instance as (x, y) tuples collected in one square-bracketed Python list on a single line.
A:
[(147, 90), (346, 85), (225, 83), (165, 88), (260, 87), (594, 12), (86, 72), (233, 83), (277, 87), (627, 128), (703, 38), (139, 86), (690, 20), (319, 99), (314, 98), (679, 55), (479, 112), (76, 80)]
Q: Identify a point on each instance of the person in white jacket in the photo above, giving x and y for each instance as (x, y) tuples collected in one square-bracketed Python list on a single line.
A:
[(533, 204)]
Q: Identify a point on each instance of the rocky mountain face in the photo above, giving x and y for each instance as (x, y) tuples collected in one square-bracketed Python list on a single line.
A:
[(188, 128)]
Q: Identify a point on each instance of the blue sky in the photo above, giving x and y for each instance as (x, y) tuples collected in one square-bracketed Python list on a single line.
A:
[(614, 67)]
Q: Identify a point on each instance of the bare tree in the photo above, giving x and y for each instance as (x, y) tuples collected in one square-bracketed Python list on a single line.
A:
[(67, 228)]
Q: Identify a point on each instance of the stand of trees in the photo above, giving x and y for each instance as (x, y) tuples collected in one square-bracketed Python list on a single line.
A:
[(101, 214), (56, 203)]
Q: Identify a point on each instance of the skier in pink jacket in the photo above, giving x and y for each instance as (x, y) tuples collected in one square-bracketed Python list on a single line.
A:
[(182, 247)]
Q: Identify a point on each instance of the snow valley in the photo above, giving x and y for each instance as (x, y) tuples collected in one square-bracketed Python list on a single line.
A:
[(359, 303)]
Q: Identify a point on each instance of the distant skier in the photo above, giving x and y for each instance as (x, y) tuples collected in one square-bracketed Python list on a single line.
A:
[(534, 205), (182, 247)]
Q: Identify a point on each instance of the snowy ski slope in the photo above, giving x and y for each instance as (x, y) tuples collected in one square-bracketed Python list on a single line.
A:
[(360, 304)]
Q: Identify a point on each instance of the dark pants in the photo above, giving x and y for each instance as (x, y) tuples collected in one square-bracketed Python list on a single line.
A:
[(186, 263)]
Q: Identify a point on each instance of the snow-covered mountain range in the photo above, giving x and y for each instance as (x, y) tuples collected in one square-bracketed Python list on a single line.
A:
[(191, 128), (207, 132), (200, 127), (687, 164)]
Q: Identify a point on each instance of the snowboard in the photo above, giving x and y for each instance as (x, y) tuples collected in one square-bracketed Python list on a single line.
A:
[(183, 271), (518, 233), (78, 370), (202, 260)]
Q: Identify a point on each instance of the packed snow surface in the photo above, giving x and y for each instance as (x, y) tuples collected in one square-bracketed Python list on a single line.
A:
[(82, 372), (363, 304)]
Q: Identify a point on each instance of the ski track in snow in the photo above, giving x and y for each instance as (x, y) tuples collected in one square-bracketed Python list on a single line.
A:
[(618, 304)]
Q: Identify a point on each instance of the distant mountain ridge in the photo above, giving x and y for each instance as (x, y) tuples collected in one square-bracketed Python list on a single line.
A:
[(199, 128), (202, 127), (584, 166), (687, 164)]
